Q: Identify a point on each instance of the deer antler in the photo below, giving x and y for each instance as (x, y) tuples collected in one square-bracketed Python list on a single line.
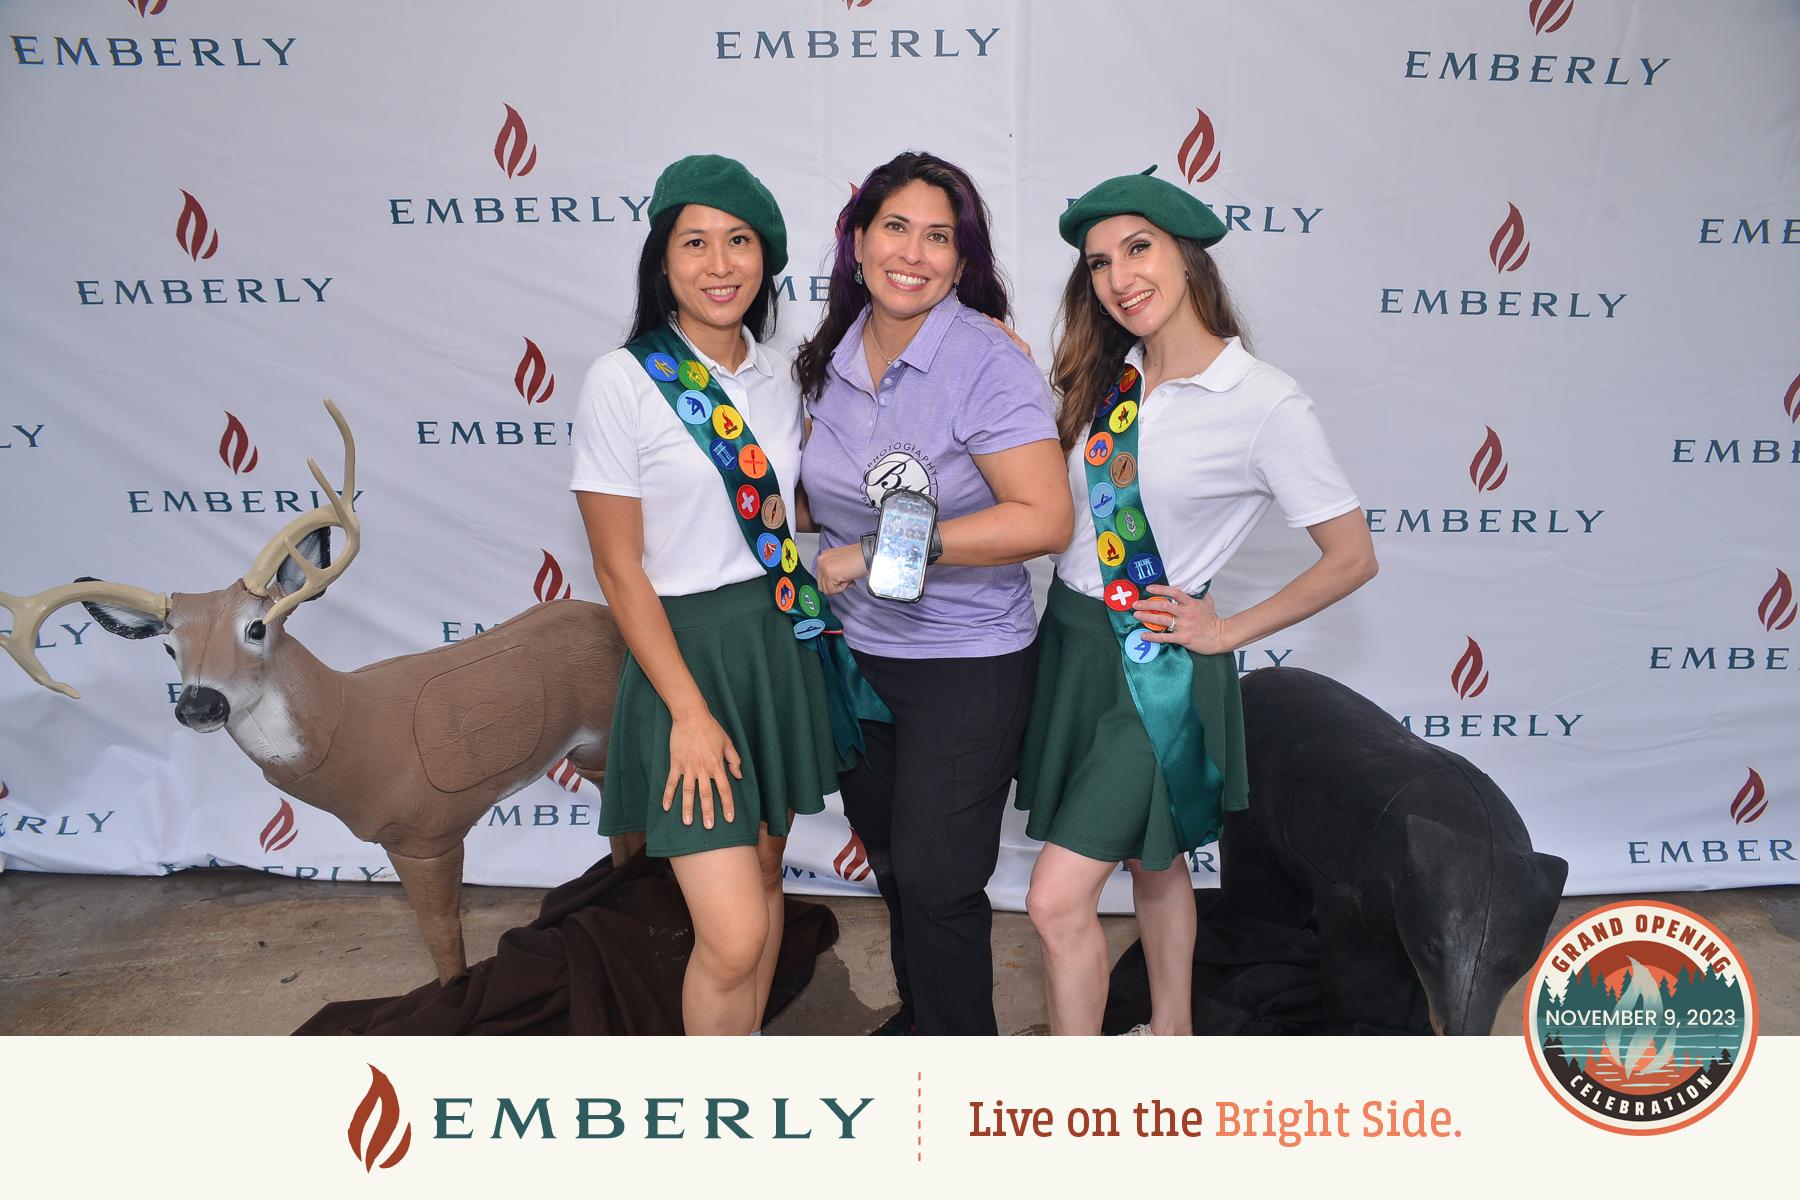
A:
[(336, 511), (28, 613)]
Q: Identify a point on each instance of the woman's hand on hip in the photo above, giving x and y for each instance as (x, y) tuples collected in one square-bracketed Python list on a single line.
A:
[(700, 753), (1193, 624), (839, 567)]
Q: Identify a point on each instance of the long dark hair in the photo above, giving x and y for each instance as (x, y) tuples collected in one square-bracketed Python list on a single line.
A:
[(982, 287), (1091, 346), (656, 301)]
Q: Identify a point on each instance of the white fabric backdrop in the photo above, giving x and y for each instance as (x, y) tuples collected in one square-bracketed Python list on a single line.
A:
[(1534, 261)]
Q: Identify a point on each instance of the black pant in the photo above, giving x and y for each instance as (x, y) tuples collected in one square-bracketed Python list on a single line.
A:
[(927, 801)]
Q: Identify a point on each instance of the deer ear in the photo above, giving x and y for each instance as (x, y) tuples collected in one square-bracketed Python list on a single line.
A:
[(316, 546), (119, 620)]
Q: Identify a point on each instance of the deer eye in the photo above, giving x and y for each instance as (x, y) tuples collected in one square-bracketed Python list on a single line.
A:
[(170, 649), (255, 631)]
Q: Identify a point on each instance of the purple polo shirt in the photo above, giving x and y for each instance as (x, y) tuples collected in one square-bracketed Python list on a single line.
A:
[(961, 388)]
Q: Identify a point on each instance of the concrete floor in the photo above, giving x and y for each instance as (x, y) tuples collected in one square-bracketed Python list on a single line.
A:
[(233, 951)]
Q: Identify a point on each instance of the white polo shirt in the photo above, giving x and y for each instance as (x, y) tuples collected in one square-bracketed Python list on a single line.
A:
[(629, 442), (1214, 450)]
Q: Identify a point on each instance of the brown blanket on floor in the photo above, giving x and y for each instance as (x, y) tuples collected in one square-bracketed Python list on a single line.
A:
[(605, 956)]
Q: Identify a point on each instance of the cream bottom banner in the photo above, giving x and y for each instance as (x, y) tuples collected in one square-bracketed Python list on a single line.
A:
[(862, 1118)]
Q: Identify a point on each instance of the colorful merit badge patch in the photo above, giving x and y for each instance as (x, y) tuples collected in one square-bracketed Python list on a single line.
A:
[(1110, 549), (1120, 596), (1140, 649), (695, 375), (1124, 469), (1640, 1017), (769, 549), (660, 367), (749, 501), (1120, 419), (1099, 448), (694, 407), (727, 423), (753, 462)]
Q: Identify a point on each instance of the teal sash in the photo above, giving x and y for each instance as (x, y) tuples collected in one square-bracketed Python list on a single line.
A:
[(1160, 675), (723, 436)]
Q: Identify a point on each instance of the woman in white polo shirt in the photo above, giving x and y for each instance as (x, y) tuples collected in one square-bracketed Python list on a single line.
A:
[(1178, 440), (687, 443)]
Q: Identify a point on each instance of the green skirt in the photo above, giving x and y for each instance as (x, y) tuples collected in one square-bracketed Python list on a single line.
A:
[(768, 692), (1087, 774)]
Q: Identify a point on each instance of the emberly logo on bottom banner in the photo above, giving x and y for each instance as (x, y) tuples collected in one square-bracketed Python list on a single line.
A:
[(380, 1135)]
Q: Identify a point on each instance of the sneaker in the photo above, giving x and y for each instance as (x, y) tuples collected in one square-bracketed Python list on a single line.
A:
[(899, 1025), (1138, 1031)]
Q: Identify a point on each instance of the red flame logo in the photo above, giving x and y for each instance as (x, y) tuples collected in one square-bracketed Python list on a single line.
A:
[(147, 8), (852, 862), (280, 832), (563, 776), (381, 1096), (1487, 470), (1509, 249), (1790, 403), (235, 450), (549, 582), (1548, 16), (1752, 800), (533, 380), (191, 228), (511, 145), (1468, 677), (1198, 157), (1776, 611)]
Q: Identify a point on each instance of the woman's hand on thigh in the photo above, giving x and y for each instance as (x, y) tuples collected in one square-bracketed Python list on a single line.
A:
[(700, 754)]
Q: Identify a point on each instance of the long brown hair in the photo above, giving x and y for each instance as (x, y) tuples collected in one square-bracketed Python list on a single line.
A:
[(1091, 346)]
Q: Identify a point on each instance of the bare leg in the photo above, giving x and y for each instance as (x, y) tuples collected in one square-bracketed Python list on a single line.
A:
[(1063, 902), (1165, 915), (768, 856), (724, 894), (434, 888)]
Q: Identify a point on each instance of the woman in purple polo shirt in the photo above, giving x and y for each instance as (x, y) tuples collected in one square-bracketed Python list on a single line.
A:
[(911, 385)]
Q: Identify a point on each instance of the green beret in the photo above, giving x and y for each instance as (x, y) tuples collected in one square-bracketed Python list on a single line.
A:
[(1166, 206), (723, 183)]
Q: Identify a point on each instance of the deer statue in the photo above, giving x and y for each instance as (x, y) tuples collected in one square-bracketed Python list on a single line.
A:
[(408, 752)]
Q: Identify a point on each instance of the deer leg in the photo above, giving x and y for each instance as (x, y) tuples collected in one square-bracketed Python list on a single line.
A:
[(434, 886)]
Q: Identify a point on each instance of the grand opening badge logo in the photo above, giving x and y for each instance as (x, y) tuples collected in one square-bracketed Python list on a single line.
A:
[(1640, 1017)]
